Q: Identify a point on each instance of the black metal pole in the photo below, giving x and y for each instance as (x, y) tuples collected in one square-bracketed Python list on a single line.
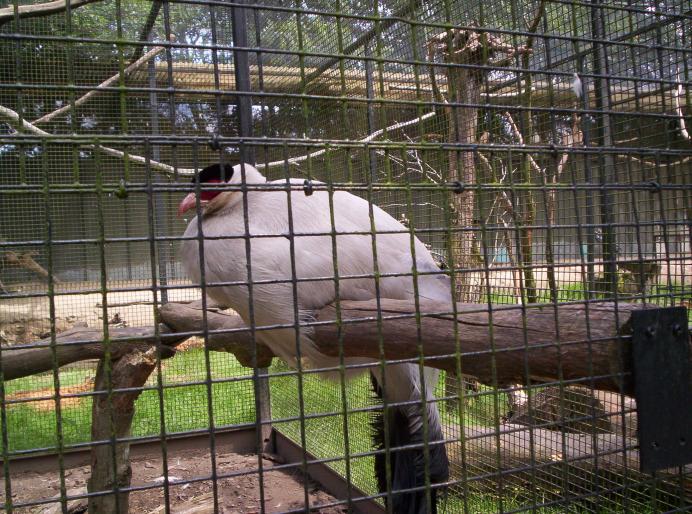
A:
[(370, 92), (160, 225), (605, 139), (242, 80), (247, 155)]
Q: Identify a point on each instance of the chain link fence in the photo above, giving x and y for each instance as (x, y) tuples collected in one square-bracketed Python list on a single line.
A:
[(539, 149)]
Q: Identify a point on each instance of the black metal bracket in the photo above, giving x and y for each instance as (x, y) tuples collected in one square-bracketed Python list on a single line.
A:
[(661, 373)]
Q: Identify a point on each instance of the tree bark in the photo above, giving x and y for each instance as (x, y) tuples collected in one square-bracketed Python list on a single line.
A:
[(111, 420)]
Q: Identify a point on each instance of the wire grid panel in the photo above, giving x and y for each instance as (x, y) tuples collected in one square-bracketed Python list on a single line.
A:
[(540, 150)]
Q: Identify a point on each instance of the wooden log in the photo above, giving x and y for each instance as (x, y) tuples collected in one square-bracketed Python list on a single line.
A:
[(235, 339), (26, 260), (570, 409), (521, 454), (591, 344), (78, 344), (111, 419)]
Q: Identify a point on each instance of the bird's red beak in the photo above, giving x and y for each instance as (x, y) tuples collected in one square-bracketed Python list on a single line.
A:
[(189, 202)]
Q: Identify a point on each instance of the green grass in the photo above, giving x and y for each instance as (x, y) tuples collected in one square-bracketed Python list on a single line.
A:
[(324, 436), (30, 425)]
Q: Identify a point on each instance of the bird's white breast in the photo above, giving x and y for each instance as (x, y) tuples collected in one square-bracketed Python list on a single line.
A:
[(302, 266)]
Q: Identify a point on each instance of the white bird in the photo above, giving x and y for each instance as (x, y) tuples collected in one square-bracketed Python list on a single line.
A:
[(274, 257), (576, 85)]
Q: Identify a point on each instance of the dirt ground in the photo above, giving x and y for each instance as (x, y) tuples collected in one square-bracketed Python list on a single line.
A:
[(284, 490)]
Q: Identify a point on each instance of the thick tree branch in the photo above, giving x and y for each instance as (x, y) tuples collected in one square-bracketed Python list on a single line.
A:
[(578, 355), (236, 337)]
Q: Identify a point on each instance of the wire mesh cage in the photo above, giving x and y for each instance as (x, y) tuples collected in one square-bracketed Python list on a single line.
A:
[(487, 189)]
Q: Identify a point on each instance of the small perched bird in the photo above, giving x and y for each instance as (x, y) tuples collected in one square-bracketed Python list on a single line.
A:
[(576, 85), (299, 246)]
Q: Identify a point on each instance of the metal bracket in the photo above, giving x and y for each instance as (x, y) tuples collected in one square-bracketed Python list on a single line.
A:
[(662, 389)]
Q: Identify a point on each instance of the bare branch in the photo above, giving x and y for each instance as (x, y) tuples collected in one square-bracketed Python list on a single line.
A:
[(520, 138), (132, 67), (506, 202), (12, 118), (678, 109), (369, 137), (35, 10)]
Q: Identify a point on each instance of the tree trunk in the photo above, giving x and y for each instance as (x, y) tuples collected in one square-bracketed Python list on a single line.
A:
[(465, 88), (111, 420)]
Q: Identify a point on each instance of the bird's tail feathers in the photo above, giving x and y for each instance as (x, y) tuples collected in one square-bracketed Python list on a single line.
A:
[(407, 467)]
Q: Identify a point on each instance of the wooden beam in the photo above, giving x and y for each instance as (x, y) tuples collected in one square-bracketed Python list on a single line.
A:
[(188, 77)]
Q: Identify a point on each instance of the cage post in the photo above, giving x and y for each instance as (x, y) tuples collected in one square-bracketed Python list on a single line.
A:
[(244, 112), (159, 205), (241, 70), (370, 93), (588, 255), (605, 139)]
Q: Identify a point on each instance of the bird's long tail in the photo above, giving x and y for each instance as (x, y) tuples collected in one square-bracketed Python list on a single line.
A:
[(407, 468)]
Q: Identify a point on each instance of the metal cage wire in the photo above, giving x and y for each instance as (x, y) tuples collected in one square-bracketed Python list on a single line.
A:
[(539, 149)]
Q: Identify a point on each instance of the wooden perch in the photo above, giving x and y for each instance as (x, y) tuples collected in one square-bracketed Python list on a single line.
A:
[(585, 350), (78, 344), (574, 358)]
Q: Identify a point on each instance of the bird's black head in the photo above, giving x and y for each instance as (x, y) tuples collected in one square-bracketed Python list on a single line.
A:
[(215, 173)]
